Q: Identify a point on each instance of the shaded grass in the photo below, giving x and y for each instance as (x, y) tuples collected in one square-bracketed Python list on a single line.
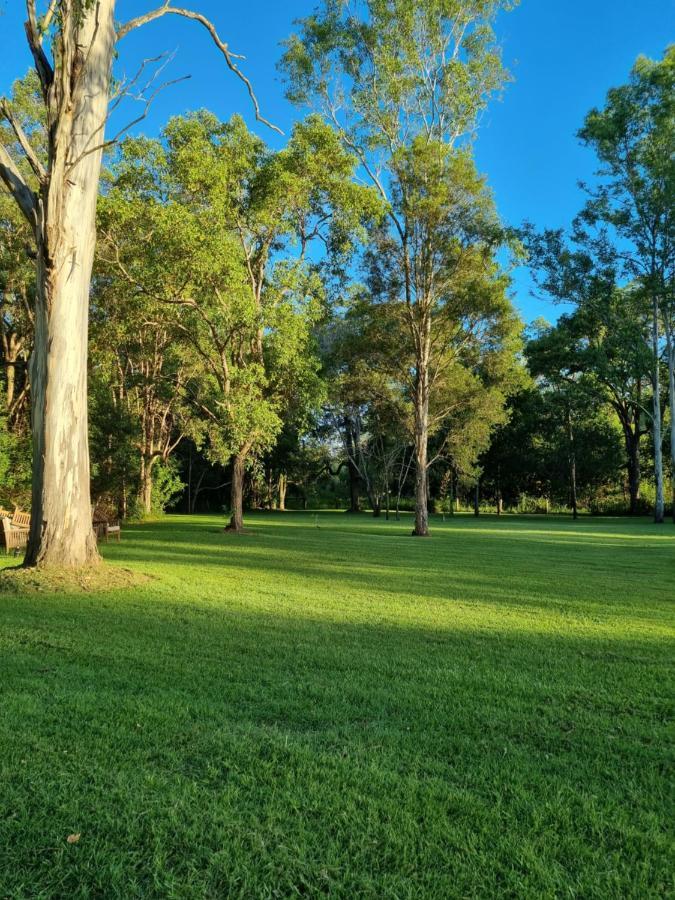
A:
[(328, 707)]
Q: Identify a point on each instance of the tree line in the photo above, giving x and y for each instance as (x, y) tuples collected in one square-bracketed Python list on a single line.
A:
[(198, 314)]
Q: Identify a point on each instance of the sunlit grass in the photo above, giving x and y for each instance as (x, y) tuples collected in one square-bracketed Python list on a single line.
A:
[(329, 706)]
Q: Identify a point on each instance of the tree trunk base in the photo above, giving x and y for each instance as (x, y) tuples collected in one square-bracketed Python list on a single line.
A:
[(59, 556)]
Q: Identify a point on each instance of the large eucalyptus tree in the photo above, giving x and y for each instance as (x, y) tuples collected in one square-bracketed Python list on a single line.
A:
[(404, 83), (73, 43)]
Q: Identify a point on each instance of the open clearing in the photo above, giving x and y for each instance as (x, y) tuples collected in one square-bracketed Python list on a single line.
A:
[(326, 706)]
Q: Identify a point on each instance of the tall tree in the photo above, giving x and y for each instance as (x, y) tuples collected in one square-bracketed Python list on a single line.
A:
[(245, 218), (16, 313), (472, 332), (633, 206), (17, 268), (572, 408), (403, 83), (138, 355), (606, 340), (73, 44)]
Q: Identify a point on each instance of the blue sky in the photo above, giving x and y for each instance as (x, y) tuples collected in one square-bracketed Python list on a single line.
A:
[(563, 54)]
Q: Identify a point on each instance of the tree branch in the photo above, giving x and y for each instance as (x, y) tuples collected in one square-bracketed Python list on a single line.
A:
[(47, 20), (167, 9), (15, 184), (110, 142), (31, 155), (42, 64)]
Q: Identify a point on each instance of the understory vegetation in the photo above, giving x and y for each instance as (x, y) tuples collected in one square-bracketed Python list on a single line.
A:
[(328, 707)]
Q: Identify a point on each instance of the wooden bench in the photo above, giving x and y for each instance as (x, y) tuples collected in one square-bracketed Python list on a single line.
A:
[(14, 539), (115, 529), (15, 532), (21, 520), (104, 529)]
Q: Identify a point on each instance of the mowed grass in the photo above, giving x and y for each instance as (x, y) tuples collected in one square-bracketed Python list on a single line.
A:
[(327, 706)]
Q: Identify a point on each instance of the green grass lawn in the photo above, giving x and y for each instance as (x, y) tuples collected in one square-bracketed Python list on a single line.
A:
[(327, 706)]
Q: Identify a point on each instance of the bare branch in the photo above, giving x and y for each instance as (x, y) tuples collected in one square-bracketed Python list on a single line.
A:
[(42, 64), (113, 140), (230, 57), (47, 20), (16, 185), (31, 155)]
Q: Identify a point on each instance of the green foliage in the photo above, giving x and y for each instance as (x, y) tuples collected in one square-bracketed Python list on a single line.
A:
[(112, 439), (245, 309), (629, 220), (461, 300), (15, 466), (368, 67), (5, 451), (167, 485), (633, 136), (403, 84)]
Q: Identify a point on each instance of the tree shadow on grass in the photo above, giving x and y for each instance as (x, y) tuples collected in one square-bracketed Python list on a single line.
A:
[(192, 744), (606, 580)]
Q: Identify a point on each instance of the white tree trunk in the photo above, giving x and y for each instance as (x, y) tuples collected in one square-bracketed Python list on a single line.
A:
[(421, 528), (147, 465), (61, 528)]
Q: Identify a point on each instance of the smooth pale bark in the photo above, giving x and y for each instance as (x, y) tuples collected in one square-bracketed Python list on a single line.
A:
[(421, 528), (237, 494), (147, 465), (61, 519), (656, 419), (283, 487), (10, 378), (122, 501), (11, 347)]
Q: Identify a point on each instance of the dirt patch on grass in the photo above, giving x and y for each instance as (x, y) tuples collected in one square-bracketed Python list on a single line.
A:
[(90, 580)]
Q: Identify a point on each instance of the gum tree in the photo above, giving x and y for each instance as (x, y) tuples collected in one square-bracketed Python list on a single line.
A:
[(404, 84), (632, 211), (73, 43)]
